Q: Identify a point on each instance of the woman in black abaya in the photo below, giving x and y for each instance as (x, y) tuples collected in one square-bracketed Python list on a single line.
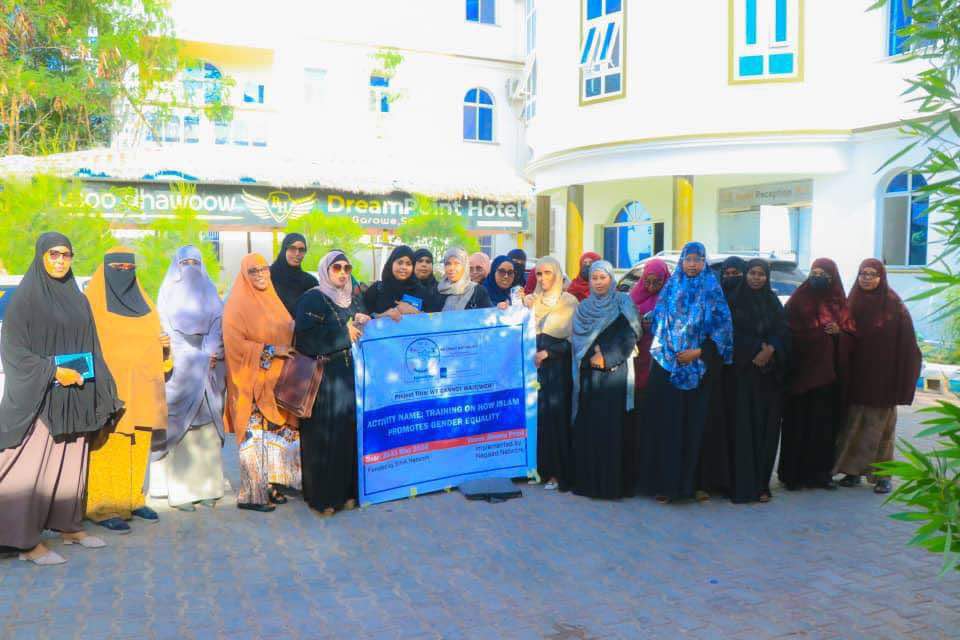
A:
[(605, 332), (760, 339), (328, 320), (398, 292), (289, 280)]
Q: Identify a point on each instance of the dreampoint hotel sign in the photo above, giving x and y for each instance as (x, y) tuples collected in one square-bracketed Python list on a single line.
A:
[(257, 206)]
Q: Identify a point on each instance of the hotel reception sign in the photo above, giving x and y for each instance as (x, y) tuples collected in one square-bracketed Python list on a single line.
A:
[(258, 206)]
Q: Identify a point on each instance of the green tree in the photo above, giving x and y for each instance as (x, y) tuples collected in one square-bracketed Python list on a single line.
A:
[(73, 71), (930, 479), (45, 203), (436, 229), (157, 248), (324, 233)]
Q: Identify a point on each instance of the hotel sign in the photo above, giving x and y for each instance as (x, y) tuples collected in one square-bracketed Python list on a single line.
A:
[(798, 193), (257, 206)]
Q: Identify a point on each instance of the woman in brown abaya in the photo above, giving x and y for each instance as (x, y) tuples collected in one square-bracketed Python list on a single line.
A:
[(884, 368), (49, 412)]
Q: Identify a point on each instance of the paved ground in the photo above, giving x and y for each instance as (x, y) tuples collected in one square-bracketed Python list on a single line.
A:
[(808, 565)]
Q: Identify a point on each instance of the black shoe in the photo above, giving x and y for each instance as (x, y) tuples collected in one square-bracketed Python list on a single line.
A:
[(262, 508), (792, 486), (849, 481), (115, 525), (146, 513), (883, 485), (829, 485)]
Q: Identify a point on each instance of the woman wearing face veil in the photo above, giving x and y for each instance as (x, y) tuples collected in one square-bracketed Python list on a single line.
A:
[(329, 320), (288, 277), (691, 325), (398, 291), (760, 341), (186, 466), (48, 413), (884, 368), (821, 336), (605, 332), (553, 311), (133, 345)]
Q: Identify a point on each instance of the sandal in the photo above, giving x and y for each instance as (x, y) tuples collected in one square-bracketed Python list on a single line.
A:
[(662, 499), (350, 505), (765, 497), (702, 496), (276, 496)]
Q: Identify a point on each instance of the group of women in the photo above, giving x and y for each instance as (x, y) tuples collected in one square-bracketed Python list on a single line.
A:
[(679, 389)]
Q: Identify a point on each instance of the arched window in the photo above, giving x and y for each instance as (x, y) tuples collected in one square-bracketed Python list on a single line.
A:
[(633, 236), (905, 221), (202, 80), (478, 116)]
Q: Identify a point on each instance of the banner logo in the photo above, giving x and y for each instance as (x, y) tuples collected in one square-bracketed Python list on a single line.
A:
[(279, 205)]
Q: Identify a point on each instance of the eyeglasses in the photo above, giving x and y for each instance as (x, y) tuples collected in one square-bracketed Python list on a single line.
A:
[(122, 266), (299, 250), (56, 255), (340, 266), (504, 272), (253, 271), (869, 275)]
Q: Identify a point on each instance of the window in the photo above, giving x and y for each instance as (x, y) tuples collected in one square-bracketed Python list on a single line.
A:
[(905, 221), (633, 236), (478, 116), (221, 132), (530, 93), (253, 93), (767, 40), (171, 129), (313, 84), (241, 134), (486, 244), (602, 42), (202, 81), (258, 131), (482, 11), (530, 68), (899, 18), (191, 129), (379, 96), (530, 12)]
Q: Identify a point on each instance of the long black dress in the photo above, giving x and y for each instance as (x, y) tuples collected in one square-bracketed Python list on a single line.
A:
[(553, 411), (599, 426), (671, 446), (328, 438), (715, 474)]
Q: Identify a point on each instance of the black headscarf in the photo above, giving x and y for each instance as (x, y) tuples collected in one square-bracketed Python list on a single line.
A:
[(758, 317), (123, 292), (730, 285), (290, 282), (430, 282), (47, 317), (385, 294), (519, 259), (498, 295)]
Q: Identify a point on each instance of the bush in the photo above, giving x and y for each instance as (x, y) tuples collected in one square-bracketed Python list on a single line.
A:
[(324, 233)]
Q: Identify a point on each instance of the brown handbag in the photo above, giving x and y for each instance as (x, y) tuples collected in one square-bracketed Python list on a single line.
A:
[(299, 383)]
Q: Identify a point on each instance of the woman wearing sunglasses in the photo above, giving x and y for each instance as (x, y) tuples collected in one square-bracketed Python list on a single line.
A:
[(257, 333), (329, 319), (501, 279)]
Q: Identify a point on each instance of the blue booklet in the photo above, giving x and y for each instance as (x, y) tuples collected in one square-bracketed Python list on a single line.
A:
[(82, 363), (413, 301)]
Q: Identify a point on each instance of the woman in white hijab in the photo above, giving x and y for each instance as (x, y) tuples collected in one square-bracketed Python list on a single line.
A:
[(457, 291), (553, 312)]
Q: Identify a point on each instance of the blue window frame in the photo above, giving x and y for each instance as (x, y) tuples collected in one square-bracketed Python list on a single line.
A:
[(482, 11), (171, 129), (253, 93), (766, 40), (221, 132), (478, 116), (191, 129), (905, 221), (379, 96), (204, 78), (633, 236), (900, 18), (241, 133), (601, 45)]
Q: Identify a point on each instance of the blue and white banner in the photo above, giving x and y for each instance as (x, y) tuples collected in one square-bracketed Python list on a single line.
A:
[(443, 398)]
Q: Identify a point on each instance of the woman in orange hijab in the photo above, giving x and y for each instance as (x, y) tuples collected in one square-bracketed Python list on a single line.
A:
[(133, 346), (257, 334)]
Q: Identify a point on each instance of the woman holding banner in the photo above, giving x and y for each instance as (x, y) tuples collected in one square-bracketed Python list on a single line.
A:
[(456, 289), (398, 292), (553, 311), (605, 332), (328, 320)]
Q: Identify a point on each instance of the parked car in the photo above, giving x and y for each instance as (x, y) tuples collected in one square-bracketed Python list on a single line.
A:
[(785, 276)]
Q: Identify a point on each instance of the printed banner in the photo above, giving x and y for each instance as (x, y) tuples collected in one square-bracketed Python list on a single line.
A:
[(443, 398)]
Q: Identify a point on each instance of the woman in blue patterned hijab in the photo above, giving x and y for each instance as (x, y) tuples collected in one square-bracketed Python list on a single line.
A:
[(691, 326)]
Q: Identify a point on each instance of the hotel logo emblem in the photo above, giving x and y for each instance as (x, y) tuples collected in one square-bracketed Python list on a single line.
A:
[(279, 205)]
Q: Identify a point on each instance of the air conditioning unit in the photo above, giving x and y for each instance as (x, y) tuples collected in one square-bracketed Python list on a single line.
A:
[(515, 90)]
